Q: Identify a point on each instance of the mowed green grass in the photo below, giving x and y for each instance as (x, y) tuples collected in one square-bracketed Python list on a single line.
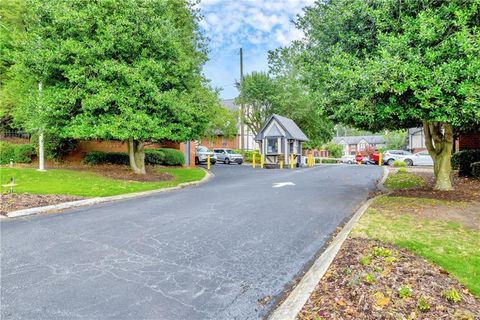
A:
[(449, 244), (403, 180), (88, 184)]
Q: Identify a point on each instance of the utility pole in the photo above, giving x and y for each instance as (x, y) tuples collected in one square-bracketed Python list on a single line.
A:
[(242, 105), (41, 152)]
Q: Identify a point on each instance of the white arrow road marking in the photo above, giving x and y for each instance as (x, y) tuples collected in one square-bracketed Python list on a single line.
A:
[(282, 184)]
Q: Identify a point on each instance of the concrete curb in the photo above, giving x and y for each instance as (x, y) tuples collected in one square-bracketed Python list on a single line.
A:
[(92, 201), (297, 298)]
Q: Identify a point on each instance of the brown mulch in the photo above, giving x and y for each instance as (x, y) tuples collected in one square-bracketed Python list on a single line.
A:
[(465, 189), (350, 290), (13, 202), (120, 172)]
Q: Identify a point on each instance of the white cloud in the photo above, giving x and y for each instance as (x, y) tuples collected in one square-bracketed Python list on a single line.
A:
[(254, 25), (233, 23)]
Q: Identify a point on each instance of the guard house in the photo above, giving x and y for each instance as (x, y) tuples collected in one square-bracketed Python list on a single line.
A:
[(279, 138)]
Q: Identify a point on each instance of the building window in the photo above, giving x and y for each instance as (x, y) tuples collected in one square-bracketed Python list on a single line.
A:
[(272, 145)]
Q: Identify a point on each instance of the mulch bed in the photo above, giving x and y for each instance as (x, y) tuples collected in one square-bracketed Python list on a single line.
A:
[(369, 290), (13, 202), (124, 173), (466, 189)]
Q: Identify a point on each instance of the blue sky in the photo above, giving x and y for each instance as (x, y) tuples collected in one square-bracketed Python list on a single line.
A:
[(255, 25)]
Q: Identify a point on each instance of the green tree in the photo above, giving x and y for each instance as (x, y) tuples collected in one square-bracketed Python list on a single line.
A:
[(257, 92), (12, 29), (280, 91), (129, 70), (334, 150), (396, 64), (395, 140), (223, 122)]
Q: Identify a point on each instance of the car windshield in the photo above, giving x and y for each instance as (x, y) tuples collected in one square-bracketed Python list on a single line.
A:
[(203, 149), (229, 151)]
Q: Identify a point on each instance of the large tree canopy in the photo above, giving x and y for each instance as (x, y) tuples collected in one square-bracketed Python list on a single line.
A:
[(397, 64), (118, 69), (281, 92)]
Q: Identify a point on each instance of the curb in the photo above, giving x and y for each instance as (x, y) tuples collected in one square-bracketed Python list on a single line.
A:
[(297, 298), (92, 201)]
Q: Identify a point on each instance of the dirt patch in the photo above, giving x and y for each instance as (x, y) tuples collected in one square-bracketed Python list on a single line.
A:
[(372, 280), (465, 189), (13, 202)]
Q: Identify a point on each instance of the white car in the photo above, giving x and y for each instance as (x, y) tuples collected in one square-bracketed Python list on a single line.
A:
[(348, 158), (421, 158)]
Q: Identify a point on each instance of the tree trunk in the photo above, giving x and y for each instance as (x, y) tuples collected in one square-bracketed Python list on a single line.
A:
[(439, 142), (136, 154)]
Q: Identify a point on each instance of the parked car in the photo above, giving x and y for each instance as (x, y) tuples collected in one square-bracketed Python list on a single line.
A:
[(421, 158), (348, 158), (374, 158), (202, 153), (389, 156), (228, 156)]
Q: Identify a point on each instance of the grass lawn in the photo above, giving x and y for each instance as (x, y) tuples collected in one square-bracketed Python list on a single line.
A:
[(403, 180), (437, 230), (89, 184)]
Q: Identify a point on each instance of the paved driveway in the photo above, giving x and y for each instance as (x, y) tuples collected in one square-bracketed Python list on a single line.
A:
[(207, 252)]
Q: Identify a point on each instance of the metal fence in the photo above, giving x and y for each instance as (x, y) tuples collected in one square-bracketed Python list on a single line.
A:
[(14, 135)]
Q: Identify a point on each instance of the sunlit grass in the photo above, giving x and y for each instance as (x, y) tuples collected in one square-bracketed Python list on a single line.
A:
[(89, 184)]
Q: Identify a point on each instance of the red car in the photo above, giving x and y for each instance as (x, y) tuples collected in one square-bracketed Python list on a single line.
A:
[(374, 157)]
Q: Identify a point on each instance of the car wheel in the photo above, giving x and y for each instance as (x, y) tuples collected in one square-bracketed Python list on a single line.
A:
[(197, 162), (240, 162), (409, 162), (213, 162), (350, 162), (226, 161), (390, 162)]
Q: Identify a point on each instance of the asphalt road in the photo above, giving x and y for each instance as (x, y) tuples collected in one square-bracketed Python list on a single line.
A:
[(207, 252)]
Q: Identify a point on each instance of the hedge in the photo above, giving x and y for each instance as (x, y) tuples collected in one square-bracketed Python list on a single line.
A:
[(18, 153), (399, 163), (463, 161), (164, 156), (476, 170)]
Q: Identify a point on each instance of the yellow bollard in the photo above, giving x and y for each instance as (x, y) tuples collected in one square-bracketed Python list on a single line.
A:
[(380, 159), (281, 164), (311, 160), (262, 161), (291, 161), (208, 162), (253, 160)]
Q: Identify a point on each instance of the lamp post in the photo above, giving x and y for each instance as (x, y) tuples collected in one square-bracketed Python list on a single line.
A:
[(41, 151)]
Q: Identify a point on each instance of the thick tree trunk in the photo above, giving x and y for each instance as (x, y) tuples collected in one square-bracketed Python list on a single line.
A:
[(136, 154), (439, 142)]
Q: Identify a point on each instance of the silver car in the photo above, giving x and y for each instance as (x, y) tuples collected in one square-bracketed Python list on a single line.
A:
[(389, 156), (228, 156), (202, 153), (421, 158)]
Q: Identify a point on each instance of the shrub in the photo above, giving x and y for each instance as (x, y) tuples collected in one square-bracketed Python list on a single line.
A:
[(402, 170), (99, 157), (451, 295), (18, 153), (476, 169), (54, 146), (399, 163), (424, 303), (404, 292), (463, 161), (172, 157), (369, 278), (164, 156), (248, 155)]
